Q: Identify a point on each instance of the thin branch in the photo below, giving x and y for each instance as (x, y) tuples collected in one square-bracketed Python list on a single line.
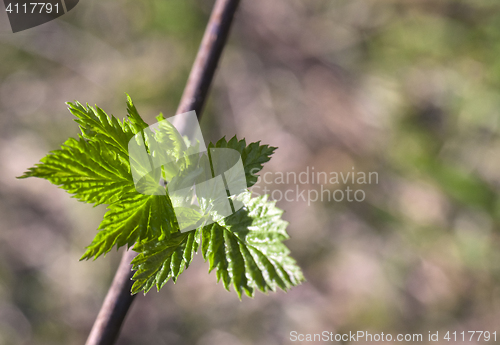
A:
[(212, 44), (115, 306), (118, 299)]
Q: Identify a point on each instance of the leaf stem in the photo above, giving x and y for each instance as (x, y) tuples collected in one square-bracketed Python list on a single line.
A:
[(119, 299)]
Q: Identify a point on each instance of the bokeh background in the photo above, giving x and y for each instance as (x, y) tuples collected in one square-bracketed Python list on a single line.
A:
[(409, 89)]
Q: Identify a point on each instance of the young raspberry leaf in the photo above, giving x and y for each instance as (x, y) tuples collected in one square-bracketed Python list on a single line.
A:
[(160, 261), (247, 248), (135, 217), (253, 155), (91, 170)]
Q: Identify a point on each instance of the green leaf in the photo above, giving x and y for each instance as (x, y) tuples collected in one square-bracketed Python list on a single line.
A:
[(90, 170), (252, 253), (135, 217), (96, 125), (160, 261), (135, 119), (253, 155)]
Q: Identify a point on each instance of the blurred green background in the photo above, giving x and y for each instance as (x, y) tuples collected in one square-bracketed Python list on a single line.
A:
[(409, 89)]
